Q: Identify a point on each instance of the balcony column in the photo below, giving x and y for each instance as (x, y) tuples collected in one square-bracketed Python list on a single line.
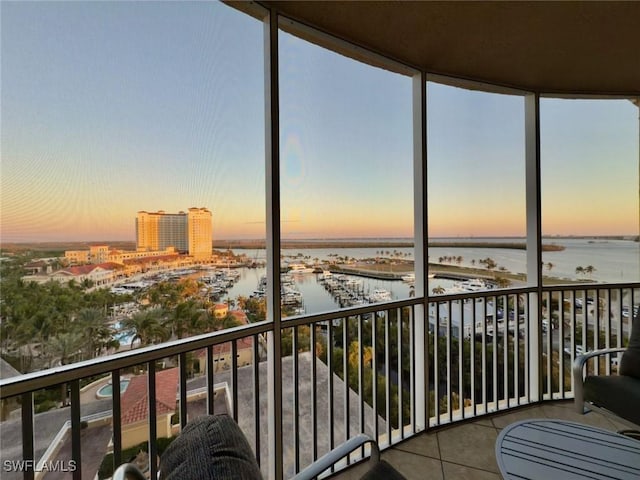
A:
[(272, 151), (420, 236), (534, 241)]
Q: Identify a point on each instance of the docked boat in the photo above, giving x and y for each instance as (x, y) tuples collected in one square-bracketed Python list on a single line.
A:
[(380, 295), (409, 277), (472, 285), (299, 268)]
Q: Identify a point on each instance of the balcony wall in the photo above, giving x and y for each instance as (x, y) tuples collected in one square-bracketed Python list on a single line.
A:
[(518, 359)]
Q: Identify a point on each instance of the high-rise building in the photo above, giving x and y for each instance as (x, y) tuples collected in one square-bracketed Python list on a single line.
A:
[(190, 232)]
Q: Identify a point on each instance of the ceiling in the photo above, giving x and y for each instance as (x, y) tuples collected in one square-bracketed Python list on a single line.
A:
[(565, 47)]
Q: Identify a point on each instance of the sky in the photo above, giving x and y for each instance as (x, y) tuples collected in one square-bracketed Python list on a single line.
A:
[(108, 108)]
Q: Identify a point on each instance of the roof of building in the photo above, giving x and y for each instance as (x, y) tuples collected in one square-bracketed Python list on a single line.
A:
[(36, 264), (240, 316), (6, 370), (159, 258), (242, 343), (135, 403), (78, 270), (554, 47)]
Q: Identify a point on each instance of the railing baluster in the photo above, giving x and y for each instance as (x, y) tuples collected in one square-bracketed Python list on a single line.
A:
[(484, 356), (182, 362), (256, 392), (516, 348), (76, 444), (399, 360), (461, 358), (449, 366), (495, 360), (153, 426), (330, 368), (296, 401), (116, 412), (547, 296), (345, 363), (560, 340), (234, 377), (361, 380), (505, 347), (374, 372), (210, 385), (472, 353), (27, 433), (436, 365), (314, 400), (387, 375), (412, 359)]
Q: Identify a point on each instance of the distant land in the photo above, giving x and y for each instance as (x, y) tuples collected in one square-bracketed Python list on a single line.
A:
[(57, 248)]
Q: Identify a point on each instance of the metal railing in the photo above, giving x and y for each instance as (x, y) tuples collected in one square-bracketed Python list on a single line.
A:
[(345, 372)]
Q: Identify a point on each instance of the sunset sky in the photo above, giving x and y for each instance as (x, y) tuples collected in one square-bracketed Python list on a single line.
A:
[(109, 108)]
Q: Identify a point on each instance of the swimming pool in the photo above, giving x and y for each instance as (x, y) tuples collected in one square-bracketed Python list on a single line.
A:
[(107, 390)]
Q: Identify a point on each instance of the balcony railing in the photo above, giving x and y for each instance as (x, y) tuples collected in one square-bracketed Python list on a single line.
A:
[(390, 370)]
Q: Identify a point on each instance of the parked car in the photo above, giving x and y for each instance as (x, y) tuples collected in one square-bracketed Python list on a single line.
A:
[(579, 350)]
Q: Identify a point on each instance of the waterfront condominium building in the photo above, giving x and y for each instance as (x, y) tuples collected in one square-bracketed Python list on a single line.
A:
[(189, 232)]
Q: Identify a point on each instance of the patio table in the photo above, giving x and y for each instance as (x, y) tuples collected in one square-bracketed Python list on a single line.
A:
[(557, 450)]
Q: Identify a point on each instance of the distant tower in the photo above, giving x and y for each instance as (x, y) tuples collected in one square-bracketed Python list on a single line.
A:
[(190, 232), (200, 230)]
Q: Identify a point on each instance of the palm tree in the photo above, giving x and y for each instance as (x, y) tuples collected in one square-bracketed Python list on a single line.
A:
[(550, 266), (91, 324), (146, 326), (438, 290), (579, 270), (589, 269), (188, 318)]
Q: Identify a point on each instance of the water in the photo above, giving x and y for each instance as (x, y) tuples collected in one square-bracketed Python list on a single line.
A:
[(614, 261), (107, 390)]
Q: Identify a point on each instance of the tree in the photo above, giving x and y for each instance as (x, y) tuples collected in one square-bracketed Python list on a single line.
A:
[(503, 282), (589, 269), (91, 324), (438, 290), (580, 270), (146, 326)]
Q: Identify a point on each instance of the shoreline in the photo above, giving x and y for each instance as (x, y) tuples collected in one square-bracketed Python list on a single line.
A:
[(324, 244)]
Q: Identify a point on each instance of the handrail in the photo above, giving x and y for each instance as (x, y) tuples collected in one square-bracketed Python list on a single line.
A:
[(101, 365)]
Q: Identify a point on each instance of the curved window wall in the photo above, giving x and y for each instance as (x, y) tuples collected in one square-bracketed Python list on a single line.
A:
[(346, 181), (476, 188), (589, 170)]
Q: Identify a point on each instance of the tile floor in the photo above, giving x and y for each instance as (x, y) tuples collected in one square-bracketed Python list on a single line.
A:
[(467, 450)]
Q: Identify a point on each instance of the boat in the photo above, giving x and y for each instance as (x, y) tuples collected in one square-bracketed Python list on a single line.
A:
[(380, 295), (326, 275), (472, 285), (409, 277), (299, 268)]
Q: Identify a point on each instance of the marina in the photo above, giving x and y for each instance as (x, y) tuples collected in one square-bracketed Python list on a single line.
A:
[(318, 280)]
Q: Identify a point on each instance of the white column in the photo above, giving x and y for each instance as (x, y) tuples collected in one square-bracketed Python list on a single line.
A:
[(534, 240), (272, 151), (420, 236)]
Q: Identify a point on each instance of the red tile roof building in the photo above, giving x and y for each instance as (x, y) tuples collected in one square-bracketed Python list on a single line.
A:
[(135, 399)]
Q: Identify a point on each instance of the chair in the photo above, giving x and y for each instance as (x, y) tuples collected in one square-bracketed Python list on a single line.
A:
[(612, 394), (214, 447)]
